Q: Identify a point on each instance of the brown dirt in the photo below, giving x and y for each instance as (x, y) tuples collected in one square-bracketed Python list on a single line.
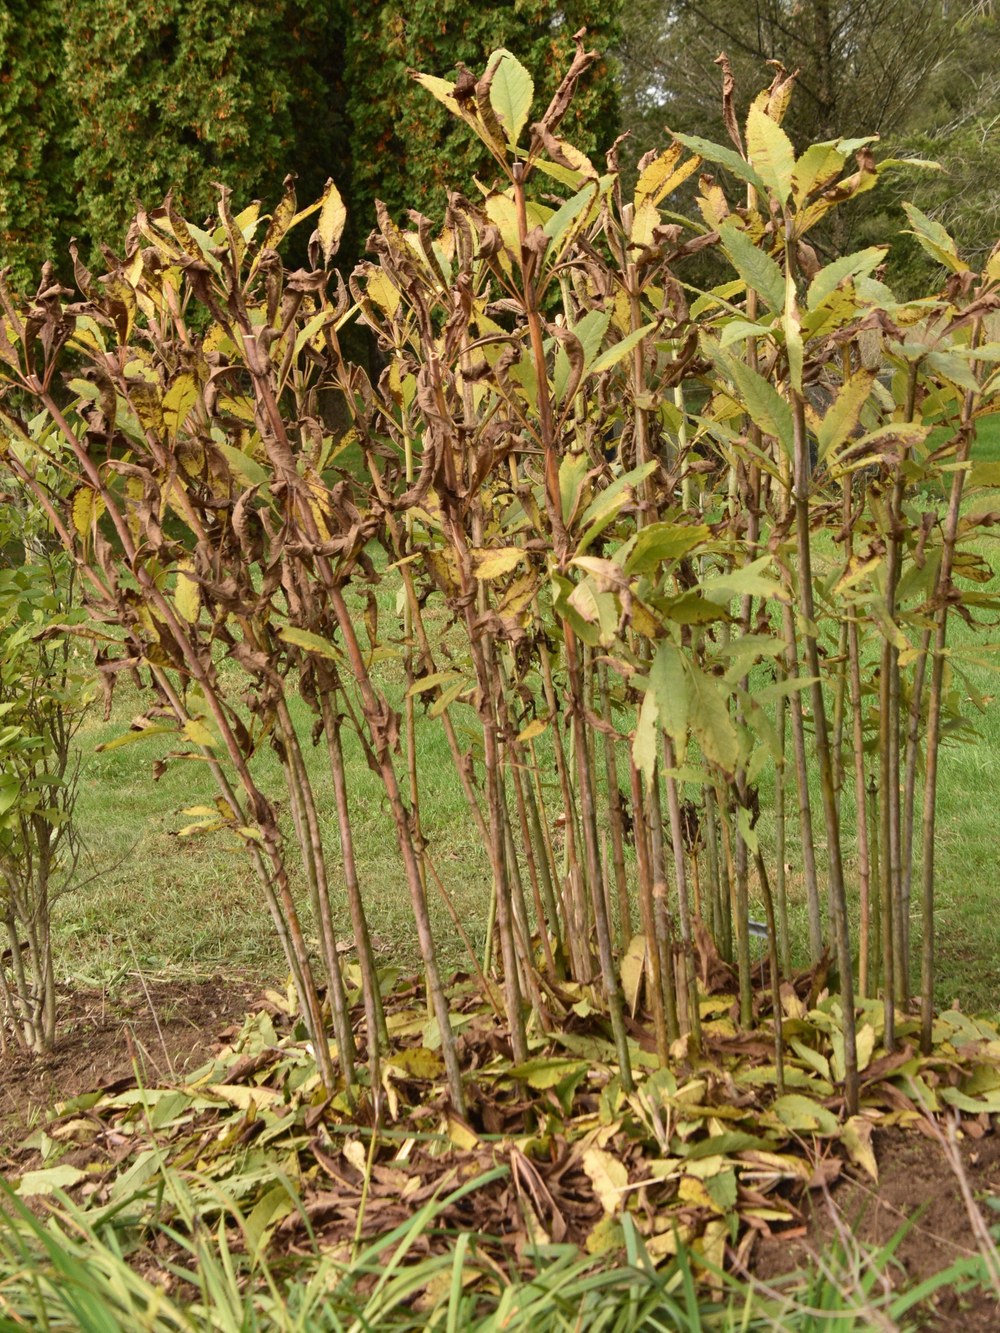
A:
[(162, 1026), (915, 1185)]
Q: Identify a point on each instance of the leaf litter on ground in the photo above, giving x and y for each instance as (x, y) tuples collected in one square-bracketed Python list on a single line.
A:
[(704, 1155)]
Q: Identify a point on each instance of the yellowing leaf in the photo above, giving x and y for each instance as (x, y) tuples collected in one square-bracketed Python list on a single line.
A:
[(770, 150), (494, 563), (692, 1190), (632, 968), (195, 731), (606, 1235), (314, 643), (51, 1179), (608, 1177), (461, 1135), (354, 1151), (88, 507), (418, 1062), (856, 1137), (534, 729), (647, 218), (187, 596), (332, 217), (865, 1045), (662, 175)]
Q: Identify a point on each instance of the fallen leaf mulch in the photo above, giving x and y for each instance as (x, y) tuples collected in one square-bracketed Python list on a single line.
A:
[(705, 1151)]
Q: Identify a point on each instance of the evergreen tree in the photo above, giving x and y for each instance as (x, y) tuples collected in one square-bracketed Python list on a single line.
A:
[(107, 102), (406, 146), (37, 194)]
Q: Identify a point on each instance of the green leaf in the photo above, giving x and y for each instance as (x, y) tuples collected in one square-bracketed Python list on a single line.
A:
[(614, 354), (575, 209), (754, 265), (725, 157), (545, 1072), (607, 503), (247, 469), (664, 541), (746, 581), (49, 1180), (572, 480), (645, 742), (935, 240), (589, 331), (10, 790), (770, 150), (801, 1113), (828, 279), (671, 689), (765, 406), (313, 643), (511, 93), (710, 721)]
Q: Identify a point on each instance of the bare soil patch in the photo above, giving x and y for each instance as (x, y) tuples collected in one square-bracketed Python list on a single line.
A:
[(158, 1027), (916, 1186)]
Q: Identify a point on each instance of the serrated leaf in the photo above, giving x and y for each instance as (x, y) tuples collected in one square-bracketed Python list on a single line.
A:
[(671, 690), (658, 542), (765, 406), (247, 469), (856, 265), (935, 240), (754, 265), (841, 417), (511, 94), (818, 167), (710, 721), (646, 741), (770, 150), (663, 175), (441, 89), (545, 1072), (725, 157), (620, 350), (804, 1114)]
